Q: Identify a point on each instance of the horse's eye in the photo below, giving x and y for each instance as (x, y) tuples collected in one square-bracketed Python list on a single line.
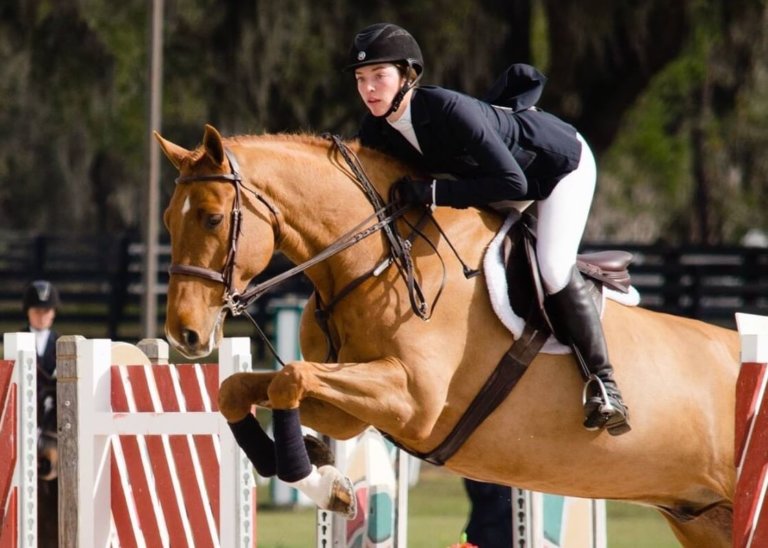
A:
[(214, 220)]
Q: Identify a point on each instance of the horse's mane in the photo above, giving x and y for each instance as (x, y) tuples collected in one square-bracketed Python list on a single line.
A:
[(302, 138), (314, 140)]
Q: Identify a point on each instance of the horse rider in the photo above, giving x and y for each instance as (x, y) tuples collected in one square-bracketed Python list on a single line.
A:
[(496, 154), (40, 302)]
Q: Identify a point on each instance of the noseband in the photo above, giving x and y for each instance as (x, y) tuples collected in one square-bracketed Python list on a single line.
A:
[(226, 275)]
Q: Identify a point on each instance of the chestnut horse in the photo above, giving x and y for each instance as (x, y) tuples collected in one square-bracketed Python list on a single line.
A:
[(413, 379)]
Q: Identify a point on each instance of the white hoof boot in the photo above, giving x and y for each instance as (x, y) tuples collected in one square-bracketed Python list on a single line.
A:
[(330, 490)]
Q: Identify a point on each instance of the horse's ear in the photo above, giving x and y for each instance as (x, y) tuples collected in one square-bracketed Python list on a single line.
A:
[(173, 152), (214, 148)]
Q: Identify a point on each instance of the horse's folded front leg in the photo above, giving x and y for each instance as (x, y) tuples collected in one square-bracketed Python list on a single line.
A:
[(288, 458), (289, 386), (257, 446), (328, 488), (239, 392), (383, 393)]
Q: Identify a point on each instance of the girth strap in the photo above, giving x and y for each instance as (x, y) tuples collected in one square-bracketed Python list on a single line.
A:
[(508, 372)]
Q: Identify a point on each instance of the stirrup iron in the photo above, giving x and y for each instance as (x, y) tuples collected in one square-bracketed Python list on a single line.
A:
[(606, 407)]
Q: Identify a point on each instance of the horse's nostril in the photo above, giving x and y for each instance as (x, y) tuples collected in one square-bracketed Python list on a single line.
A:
[(191, 339)]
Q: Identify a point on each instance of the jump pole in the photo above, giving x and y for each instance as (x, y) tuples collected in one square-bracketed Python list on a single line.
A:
[(750, 516), (18, 441), (543, 520), (99, 446)]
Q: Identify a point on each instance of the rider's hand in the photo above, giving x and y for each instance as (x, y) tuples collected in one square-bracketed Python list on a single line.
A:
[(408, 191)]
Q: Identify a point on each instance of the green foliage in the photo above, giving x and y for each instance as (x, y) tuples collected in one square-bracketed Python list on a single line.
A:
[(655, 134), (682, 167), (678, 126)]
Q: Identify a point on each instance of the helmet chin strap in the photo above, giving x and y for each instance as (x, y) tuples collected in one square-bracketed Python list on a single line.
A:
[(408, 86)]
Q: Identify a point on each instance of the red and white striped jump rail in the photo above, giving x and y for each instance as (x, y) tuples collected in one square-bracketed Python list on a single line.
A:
[(750, 517), (18, 441), (146, 460)]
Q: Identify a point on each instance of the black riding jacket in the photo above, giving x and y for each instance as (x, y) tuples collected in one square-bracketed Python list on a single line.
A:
[(495, 153)]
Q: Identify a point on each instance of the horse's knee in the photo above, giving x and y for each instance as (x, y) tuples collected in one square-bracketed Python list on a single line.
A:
[(234, 403), (288, 387), (414, 423), (416, 430)]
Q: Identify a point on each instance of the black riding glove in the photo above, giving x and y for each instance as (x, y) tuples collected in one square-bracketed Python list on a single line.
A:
[(408, 191)]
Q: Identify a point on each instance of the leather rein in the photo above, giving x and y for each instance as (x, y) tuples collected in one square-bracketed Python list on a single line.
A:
[(237, 303)]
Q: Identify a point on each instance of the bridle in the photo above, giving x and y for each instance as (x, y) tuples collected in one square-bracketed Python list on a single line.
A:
[(226, 275), (236, 302)]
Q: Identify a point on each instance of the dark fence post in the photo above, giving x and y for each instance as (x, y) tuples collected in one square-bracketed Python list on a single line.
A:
[(40, 250), (119, 285), (752, 275), (672, 288)]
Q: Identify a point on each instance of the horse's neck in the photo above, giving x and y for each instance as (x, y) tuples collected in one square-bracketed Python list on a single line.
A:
[(318, 203)]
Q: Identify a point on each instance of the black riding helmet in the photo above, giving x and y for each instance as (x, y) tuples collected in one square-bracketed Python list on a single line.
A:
[(40, 293), (387, 43), (384, 43)]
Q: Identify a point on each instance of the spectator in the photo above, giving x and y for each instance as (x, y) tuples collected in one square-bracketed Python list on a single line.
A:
[(490, 514), (40, 302)]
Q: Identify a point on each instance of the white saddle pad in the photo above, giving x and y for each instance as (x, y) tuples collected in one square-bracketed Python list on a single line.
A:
[(496, 280)]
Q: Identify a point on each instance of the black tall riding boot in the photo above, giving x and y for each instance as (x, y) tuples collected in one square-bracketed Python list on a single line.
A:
[(576, 322)]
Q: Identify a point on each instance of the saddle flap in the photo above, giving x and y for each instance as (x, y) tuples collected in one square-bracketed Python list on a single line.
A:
[(608, 267), (600, 268)]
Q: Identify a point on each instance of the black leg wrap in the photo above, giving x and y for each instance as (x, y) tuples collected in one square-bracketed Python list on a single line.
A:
[(292, 459), (257, 446)]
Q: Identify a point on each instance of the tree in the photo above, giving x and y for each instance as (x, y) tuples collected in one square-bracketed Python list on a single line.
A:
[(670, 95)]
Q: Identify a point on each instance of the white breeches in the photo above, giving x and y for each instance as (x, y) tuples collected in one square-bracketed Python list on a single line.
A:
[(562, 218)]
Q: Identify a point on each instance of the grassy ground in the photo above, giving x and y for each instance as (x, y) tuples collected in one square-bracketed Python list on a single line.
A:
[(438, 510)]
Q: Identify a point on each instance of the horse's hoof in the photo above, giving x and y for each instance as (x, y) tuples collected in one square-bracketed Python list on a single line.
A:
[(319, 453), (342, 495)]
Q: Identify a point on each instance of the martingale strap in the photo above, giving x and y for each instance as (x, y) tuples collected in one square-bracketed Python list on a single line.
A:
[(497, 387), (400, 248)]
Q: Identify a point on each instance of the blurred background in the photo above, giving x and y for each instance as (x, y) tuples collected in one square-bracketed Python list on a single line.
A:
[(673, 97)]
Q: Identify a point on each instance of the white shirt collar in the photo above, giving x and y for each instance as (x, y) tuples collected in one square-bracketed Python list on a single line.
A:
[(41, 339), (405, 127)]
